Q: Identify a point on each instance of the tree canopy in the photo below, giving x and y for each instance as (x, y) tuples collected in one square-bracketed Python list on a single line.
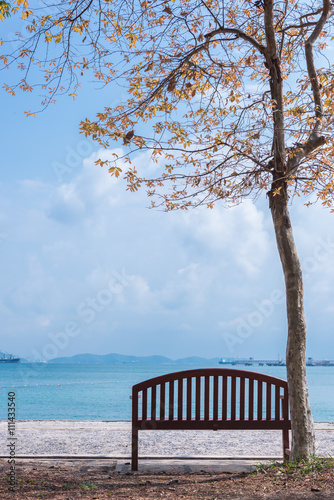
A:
[(4, 10), (213, 81)]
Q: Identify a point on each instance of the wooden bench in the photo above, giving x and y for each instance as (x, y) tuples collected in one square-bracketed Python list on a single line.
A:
[(210, 398)]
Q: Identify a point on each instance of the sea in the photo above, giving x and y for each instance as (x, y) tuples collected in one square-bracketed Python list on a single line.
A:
[(50, 391)]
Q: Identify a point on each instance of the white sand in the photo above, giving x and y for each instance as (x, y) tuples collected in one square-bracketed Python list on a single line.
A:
[(65, 437)]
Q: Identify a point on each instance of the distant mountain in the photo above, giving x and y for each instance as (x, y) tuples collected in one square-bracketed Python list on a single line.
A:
[(121, 359)]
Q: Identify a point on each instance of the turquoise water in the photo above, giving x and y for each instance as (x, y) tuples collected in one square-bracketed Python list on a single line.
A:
[(101, 392)]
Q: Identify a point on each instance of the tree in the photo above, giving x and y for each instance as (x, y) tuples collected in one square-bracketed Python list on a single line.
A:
[(236, 98)]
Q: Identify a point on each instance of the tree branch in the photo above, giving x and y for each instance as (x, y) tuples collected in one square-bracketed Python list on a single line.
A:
[(311, 69), (301, 150), (276, 86), (315, 139), (212, 13), (240, 34), (292, 26), (311, 13)]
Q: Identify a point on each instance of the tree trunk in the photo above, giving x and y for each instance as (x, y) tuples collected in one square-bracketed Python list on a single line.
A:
[(303, 442)]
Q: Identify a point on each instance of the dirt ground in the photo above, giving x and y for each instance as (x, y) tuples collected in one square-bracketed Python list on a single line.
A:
[(61, 480)]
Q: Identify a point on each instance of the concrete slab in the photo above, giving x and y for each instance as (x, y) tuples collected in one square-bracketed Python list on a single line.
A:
[(186, 467)]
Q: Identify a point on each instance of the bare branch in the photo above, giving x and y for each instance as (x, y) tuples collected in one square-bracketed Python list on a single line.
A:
[(319, 111), (301, 151), (240, 34), (296, 26), (212, 13), (276, 86), (311, 13)]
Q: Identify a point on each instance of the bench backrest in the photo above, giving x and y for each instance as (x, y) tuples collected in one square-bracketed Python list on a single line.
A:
[(211, 395)]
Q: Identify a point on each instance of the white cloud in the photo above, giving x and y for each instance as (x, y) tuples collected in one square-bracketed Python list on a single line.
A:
[(190, 274), (238, 233)]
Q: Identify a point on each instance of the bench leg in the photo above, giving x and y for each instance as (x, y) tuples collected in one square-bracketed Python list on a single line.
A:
[(134, 461), (286, 448)]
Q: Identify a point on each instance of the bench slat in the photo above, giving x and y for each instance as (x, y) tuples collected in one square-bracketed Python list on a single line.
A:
[(224, 398), (189, 384), (154, 402), (162, 401), (211, 425), (242, 399), (211, 371), (268, 402), (179, 398), (198, 398), (206, 397), (277, 402), (171, 401), (144, 408), (259, 400), (250, 399), (215, 397), (233, 397)]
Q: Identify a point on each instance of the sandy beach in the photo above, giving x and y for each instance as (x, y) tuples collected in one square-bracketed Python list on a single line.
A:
[(113, 439)]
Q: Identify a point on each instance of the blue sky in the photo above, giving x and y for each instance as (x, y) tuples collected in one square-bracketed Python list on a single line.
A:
[(86, 267)]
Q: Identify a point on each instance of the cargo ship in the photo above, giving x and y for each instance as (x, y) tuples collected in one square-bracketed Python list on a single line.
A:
[(8, 358)]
